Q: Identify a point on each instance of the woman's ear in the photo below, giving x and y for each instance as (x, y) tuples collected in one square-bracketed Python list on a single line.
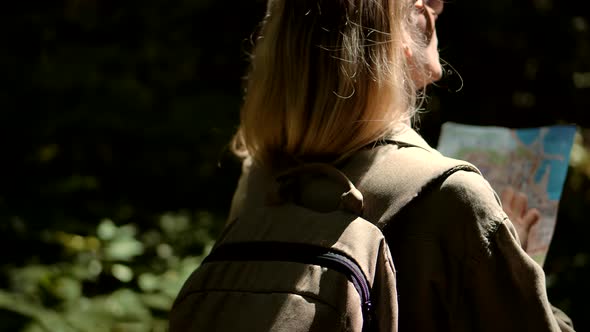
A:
[(408, 51), (407, 43)]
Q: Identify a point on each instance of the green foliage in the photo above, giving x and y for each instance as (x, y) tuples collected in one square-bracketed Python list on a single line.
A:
[(146, 269)]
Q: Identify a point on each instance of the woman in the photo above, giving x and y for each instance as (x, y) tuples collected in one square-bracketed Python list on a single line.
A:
[(330, 82)]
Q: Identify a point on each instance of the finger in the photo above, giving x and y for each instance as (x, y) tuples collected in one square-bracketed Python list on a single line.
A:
[(519, 204), (507, 196), (522, 235), (531, 218)]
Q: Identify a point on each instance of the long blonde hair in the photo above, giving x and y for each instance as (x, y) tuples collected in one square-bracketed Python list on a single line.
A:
[(327, 77)]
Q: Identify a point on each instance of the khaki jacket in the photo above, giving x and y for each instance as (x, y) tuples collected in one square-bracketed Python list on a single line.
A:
[(459, 263)]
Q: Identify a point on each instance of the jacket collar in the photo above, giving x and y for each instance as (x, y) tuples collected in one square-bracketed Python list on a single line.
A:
[(410, 137)]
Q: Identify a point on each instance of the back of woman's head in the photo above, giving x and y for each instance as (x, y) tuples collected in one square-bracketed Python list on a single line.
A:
[(327, 77)]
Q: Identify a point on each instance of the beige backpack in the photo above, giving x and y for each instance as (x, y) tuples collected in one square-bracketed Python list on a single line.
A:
[(286, 267)]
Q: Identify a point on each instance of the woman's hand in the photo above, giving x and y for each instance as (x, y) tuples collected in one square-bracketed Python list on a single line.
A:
[(515, 205)]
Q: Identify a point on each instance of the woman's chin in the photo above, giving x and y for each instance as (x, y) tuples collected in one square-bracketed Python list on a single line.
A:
[(429, 76)]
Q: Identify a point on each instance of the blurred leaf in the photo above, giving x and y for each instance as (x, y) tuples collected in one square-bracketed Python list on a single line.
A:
[(106, 229), (174, 223), (44, 319), (580, 155), (29, 279), (123, 249), (164, 250), (126, 304), (122, 310), (158, 301), (76, 183), (122, 272), (67, 289), (126, 231), (48, 152), (148, 282)]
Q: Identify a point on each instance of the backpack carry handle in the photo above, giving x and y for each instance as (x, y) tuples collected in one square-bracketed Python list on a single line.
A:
[(351, 200)]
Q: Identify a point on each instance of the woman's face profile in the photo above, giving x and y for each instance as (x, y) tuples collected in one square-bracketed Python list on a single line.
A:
[(427, 12)]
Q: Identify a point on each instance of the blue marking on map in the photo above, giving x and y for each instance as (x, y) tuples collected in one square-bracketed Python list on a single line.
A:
[(558, 140)]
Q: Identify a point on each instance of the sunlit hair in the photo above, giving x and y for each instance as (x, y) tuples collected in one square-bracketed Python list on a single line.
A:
[(327, 78)]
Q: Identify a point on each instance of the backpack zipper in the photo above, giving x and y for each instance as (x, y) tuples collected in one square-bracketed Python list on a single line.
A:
[(305, 254), (358, 279)]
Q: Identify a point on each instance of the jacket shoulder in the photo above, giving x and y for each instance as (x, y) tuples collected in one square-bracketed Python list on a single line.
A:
[(475, 205), (392, 176)]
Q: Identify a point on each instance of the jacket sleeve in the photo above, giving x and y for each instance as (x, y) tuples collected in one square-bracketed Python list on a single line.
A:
[(503, 287), (506, 289)]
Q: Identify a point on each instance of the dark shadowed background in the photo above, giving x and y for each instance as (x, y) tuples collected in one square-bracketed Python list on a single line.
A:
[(115, 118)]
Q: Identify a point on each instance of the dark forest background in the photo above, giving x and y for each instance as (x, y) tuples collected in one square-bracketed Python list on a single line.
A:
[(115, 118)]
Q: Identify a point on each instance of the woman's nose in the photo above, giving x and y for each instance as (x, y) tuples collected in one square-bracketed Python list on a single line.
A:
[(436, 5)]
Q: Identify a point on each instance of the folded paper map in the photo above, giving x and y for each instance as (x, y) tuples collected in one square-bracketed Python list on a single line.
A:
[(533, 161)]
